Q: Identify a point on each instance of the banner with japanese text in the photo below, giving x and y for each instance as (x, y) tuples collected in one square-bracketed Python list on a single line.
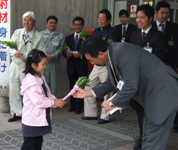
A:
[(4, 55)]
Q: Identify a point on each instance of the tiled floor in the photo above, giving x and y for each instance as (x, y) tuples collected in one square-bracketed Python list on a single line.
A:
[(62, 116)]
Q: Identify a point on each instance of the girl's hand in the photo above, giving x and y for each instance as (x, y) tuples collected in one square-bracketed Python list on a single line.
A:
[(59, 103)]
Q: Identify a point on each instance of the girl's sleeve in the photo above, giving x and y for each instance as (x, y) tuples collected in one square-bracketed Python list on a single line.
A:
[(38, 98)]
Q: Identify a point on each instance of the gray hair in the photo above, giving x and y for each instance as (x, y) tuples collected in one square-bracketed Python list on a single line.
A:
[(29, 13)]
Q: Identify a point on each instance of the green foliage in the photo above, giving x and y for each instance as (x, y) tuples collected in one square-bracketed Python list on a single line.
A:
[(82, 82), (65, 47), (84, 34), (109, 41), (10, 44)]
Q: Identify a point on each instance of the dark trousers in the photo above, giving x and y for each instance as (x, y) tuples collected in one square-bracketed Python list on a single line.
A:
[(75, 103), (32, 143), (140, 116)]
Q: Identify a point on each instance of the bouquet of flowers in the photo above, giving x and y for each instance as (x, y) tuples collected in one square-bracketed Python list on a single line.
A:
[(84, 34), (10, 44), (65, 48), (81, 83)]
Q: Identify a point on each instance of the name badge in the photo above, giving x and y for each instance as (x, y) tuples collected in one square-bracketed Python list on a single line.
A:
[(147, 48), (123, 40), (120, 85), (55, 43), (171, 42)]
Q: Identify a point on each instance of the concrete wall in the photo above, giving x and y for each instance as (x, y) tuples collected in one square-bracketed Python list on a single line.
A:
[(65, 11)]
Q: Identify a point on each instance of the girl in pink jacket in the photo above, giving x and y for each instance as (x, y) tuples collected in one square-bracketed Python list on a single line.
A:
[(37, 100)]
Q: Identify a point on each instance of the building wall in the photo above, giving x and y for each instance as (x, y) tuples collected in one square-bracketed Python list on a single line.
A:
[(65, 11)]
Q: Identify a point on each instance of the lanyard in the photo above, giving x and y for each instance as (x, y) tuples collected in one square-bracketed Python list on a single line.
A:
[(112, 69), (26, 41)]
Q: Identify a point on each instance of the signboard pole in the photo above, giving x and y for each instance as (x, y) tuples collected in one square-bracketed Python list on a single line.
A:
[(4, 55)]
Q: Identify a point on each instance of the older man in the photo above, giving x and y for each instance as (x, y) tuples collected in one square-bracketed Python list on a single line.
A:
[(27, 39), (99, 73)]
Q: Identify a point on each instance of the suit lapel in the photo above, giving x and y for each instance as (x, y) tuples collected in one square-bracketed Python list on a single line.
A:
[(147, 37)]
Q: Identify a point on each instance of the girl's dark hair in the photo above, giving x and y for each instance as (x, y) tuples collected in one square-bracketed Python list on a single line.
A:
[(34, 56)]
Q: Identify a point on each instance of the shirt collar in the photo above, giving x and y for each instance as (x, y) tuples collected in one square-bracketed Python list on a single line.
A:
[(105, 28), (76, 34), (160, 23), (126, 26), (146, 31), (28, 33)]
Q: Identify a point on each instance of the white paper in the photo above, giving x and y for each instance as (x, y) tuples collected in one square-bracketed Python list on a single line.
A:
[(71, 92), (115, 108)]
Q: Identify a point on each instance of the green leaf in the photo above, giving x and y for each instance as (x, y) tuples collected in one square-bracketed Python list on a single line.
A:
[(65, 47), (109, 41), (10, 44), (84, 33), (82, 82)]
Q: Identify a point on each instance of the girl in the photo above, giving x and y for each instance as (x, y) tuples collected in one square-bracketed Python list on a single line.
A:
[(37, 100)]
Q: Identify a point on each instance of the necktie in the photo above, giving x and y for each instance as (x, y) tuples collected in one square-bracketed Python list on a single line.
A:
[(143, 35), (76, 41), (162, 29), (27, 35), (124, 32)]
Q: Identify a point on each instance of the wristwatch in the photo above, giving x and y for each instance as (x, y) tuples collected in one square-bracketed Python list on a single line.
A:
[(111, 104)]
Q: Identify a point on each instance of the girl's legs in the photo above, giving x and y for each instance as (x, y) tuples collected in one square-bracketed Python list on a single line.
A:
[(32, 143)]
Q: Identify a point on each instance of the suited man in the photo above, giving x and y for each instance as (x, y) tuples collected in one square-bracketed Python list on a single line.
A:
[(170, 30), (144, 77), (76, 63), (151, 40), (125, 29)]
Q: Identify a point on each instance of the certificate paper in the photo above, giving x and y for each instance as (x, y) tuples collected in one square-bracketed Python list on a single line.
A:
[(115, 108)]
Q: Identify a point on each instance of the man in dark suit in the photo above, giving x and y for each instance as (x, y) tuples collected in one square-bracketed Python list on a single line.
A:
[(136, 73), (170, 30), (150, 40), (125, 29), (76, 63)]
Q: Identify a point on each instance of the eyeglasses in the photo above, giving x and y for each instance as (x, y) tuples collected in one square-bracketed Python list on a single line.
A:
[(28, 20), (52, 22)]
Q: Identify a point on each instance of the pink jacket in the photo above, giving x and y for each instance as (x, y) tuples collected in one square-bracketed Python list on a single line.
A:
[(34, 101)]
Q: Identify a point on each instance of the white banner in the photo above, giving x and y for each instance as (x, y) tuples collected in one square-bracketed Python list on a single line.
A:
[(4, 55)]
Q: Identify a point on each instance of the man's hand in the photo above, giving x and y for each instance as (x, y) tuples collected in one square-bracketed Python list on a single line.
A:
[(69, 54), (18, 54), (77, 55), (81, 93), (23, 58), (50, 58), (59, 103), (106, 105)]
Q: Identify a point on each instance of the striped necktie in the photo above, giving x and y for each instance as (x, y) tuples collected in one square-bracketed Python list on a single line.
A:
[(76, 41)]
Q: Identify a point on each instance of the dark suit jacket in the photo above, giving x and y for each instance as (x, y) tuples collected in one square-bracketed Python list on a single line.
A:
[(131, 28), (148, 80), (156, 40), (75, 64), (171, 32)]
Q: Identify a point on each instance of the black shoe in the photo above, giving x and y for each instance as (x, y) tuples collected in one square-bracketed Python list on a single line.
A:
[(89, 118), (101, 121), (13, 118), (78, 112), (137, 145), (71, 110)]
